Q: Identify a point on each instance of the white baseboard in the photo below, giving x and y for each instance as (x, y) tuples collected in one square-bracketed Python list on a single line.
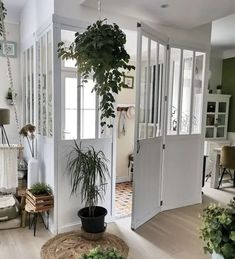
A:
[(123, 179)]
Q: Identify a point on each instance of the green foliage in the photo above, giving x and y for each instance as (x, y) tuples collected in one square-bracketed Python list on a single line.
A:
[(4, 12), (102, 254), (100, 51), (41, 189), (88, 170), (218, 229)]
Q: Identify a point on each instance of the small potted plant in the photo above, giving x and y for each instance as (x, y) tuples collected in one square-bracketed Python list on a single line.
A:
[(88, 172), (9, 96), (218, 230), (219, 89), (98, 253)]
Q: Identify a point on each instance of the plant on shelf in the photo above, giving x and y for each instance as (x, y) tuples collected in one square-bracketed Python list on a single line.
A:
[(219, 89), (218, 230), (98, 253), (41, 189), (9, 96), (100, 51), (88, 172), (28, 131)]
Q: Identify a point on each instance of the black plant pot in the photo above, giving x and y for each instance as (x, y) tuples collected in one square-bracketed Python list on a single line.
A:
[(93, 224)]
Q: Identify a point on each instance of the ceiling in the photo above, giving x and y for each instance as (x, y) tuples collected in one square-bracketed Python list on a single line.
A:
[(223, 33), (14, 8), (180, 13)]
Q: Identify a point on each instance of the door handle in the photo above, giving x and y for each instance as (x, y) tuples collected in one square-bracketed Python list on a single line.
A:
[(138, 146)]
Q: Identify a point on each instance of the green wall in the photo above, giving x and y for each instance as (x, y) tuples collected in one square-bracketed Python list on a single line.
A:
[(228, 87)]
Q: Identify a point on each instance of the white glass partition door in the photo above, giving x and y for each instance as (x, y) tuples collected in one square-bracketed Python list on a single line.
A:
[(151, 75)]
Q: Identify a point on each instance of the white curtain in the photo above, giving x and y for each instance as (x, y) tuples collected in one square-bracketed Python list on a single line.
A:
[(8, 167)]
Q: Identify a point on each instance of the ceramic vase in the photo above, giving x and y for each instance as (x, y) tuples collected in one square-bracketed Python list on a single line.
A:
[(33, 171)]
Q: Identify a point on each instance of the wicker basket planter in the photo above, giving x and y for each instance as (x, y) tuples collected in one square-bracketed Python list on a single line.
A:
[(38, 203)]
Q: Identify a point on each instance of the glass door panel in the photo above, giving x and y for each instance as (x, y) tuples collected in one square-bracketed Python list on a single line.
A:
[(174, 89), (222, 107), (186, 91), (220, 132), (198, 87), (143, 88)]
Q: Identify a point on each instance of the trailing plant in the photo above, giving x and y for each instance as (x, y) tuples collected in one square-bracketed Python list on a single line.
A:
[(41, 189), (98, 253), (218, 229), (100, 51), (3, 13), (88, 172)]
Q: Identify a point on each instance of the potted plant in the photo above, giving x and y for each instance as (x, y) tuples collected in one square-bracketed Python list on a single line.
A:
[(41, 189), (9, 96), (218, 230), (98, 253), (100, 51), (88, 172), (219, 89)]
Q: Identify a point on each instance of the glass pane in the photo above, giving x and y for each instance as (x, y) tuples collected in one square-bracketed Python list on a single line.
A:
[(186, 91), (28, 111), (211, 106), (88, 124), (70, 126), (24, 87), (174, 86), (209, 132), (32, 84), (143, 88), (70, 63), (44, 87), (210, 120), (87, 96), (70, 131), (220, 132), (39, 97), (222, 107), (221, 119), (198, 93), (49, 86)]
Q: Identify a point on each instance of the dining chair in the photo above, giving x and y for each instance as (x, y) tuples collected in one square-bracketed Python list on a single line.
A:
[(227, 162)]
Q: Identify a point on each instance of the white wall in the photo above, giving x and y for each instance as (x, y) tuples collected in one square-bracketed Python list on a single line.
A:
[(34, 15), (216, 64), (12, 35)]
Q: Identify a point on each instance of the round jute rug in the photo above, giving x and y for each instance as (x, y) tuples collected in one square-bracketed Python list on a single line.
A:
[(72, 245)]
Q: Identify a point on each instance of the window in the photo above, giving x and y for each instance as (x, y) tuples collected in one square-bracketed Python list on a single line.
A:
[(185, 97)]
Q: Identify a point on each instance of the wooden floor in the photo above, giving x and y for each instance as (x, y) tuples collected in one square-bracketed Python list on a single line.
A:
[(170, 235)]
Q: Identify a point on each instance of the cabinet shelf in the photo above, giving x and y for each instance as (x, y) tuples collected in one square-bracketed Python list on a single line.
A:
[(217, 116)]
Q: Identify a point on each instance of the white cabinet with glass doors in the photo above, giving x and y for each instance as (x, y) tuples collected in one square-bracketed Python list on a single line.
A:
[(217, 116)]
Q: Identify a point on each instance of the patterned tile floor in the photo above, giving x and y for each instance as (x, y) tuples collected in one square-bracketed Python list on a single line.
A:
[(123, 200)]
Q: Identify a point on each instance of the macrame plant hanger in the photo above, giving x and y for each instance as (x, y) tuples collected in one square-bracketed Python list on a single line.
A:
[(2, 24)]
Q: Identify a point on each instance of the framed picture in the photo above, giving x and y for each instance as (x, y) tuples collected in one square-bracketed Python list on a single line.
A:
[(129, 81), (11, 46)]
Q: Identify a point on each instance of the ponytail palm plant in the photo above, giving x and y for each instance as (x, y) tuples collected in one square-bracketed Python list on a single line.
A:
[(88, 172)]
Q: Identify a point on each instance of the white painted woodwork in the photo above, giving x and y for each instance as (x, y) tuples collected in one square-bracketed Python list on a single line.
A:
[(182, 174)]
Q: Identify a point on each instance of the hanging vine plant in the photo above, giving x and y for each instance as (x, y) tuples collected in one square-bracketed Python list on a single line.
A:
[(3, 13), (100, 51)]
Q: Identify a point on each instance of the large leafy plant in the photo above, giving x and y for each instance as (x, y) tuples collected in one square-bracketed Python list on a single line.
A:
[(98, 253), (100, 51), (88, 172), (218, 230)]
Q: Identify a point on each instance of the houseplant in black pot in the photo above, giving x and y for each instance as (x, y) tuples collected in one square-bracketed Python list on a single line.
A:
[(88, 172), (218, 230)]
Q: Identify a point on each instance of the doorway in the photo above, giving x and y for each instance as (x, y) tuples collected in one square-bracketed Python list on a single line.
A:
[(124, 135)]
